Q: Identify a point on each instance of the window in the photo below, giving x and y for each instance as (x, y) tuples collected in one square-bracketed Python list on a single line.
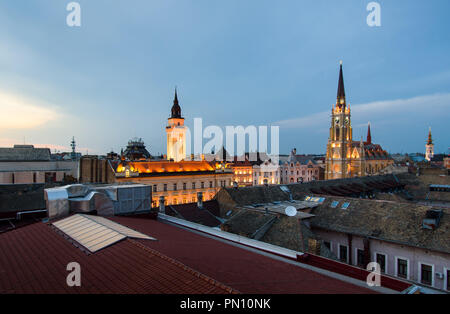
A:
[(402, 268), (426, 274), (343, 253), (175, 201), (165, 187), (193, 199), (34, 177), (155, 188), (381, 260), (184, 186), (203, 185), (327, 244), (360, 257), (210, 184), (193, 185), (174, 186)]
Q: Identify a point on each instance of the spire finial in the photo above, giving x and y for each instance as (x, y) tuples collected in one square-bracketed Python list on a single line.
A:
[(430, 138), (369, 134)]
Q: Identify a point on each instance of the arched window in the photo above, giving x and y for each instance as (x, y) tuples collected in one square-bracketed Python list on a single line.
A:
[(337, 133)]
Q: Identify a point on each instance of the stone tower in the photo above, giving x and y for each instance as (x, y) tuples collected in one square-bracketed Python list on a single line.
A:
[(429, 153), (176, 133), (339, 147)]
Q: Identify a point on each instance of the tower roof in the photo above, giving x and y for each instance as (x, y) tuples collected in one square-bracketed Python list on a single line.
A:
[(341, 89), (369, 135), (176, 109), (430, 139)]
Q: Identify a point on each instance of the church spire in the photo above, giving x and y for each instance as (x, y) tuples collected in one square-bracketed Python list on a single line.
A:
[(369, 135), (341, 89), (430, 139), (176, 109)]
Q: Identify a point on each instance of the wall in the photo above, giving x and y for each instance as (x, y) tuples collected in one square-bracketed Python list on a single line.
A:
[(27, 172), (440, 261)]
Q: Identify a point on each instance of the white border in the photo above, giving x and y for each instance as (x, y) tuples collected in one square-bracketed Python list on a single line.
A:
[(419, 274), (408, 269)]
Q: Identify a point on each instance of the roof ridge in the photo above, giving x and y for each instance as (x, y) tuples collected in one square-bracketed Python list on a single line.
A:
[(185, 267)]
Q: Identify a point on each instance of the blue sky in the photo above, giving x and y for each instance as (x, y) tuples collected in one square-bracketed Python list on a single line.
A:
[(235, 62)]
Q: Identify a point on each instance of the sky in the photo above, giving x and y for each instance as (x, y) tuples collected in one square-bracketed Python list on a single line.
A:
[(234, 62)]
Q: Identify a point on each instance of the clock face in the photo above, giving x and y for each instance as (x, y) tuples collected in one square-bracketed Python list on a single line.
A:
[(336, 120)]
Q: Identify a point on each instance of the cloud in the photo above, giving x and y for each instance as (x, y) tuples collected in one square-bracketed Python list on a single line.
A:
[(18, 112), (387, 112)]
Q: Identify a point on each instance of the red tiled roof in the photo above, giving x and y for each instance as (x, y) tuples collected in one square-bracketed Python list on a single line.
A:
[(241, 269), (33, 259)]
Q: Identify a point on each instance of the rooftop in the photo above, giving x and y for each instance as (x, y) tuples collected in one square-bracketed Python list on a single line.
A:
[(24, 153), (181, 261), (29, 265)]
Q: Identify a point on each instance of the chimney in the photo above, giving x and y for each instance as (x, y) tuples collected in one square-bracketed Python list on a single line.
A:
[(432, 219), (200, 200), (162, 206)]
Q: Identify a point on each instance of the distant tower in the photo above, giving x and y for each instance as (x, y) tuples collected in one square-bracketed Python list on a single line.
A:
[(429, 147), (369, 135), (176, 133), (73, 145)]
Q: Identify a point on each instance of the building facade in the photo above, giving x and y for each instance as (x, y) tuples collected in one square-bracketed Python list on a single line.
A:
[(25, 164), (299, 169), (346, 158), (242, 172), (177, 182)]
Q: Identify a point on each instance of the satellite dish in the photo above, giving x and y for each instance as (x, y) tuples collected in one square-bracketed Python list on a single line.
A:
[(291, 211)]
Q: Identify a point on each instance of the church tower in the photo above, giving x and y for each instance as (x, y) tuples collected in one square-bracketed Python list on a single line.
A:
[(339, 148), (176, 133), (429, 154)]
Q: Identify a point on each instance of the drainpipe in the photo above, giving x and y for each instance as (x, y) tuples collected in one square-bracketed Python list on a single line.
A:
[(162, 206), (200, 200)]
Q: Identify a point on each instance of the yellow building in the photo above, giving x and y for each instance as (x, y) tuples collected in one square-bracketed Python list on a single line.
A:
[(347, 158), (177, 182)]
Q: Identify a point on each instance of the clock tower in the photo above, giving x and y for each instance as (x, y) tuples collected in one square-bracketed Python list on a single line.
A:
[(176, 133), (339, 148), (429, 153)]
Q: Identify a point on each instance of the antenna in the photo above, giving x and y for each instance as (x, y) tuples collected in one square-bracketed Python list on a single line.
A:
[(290, 211)]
